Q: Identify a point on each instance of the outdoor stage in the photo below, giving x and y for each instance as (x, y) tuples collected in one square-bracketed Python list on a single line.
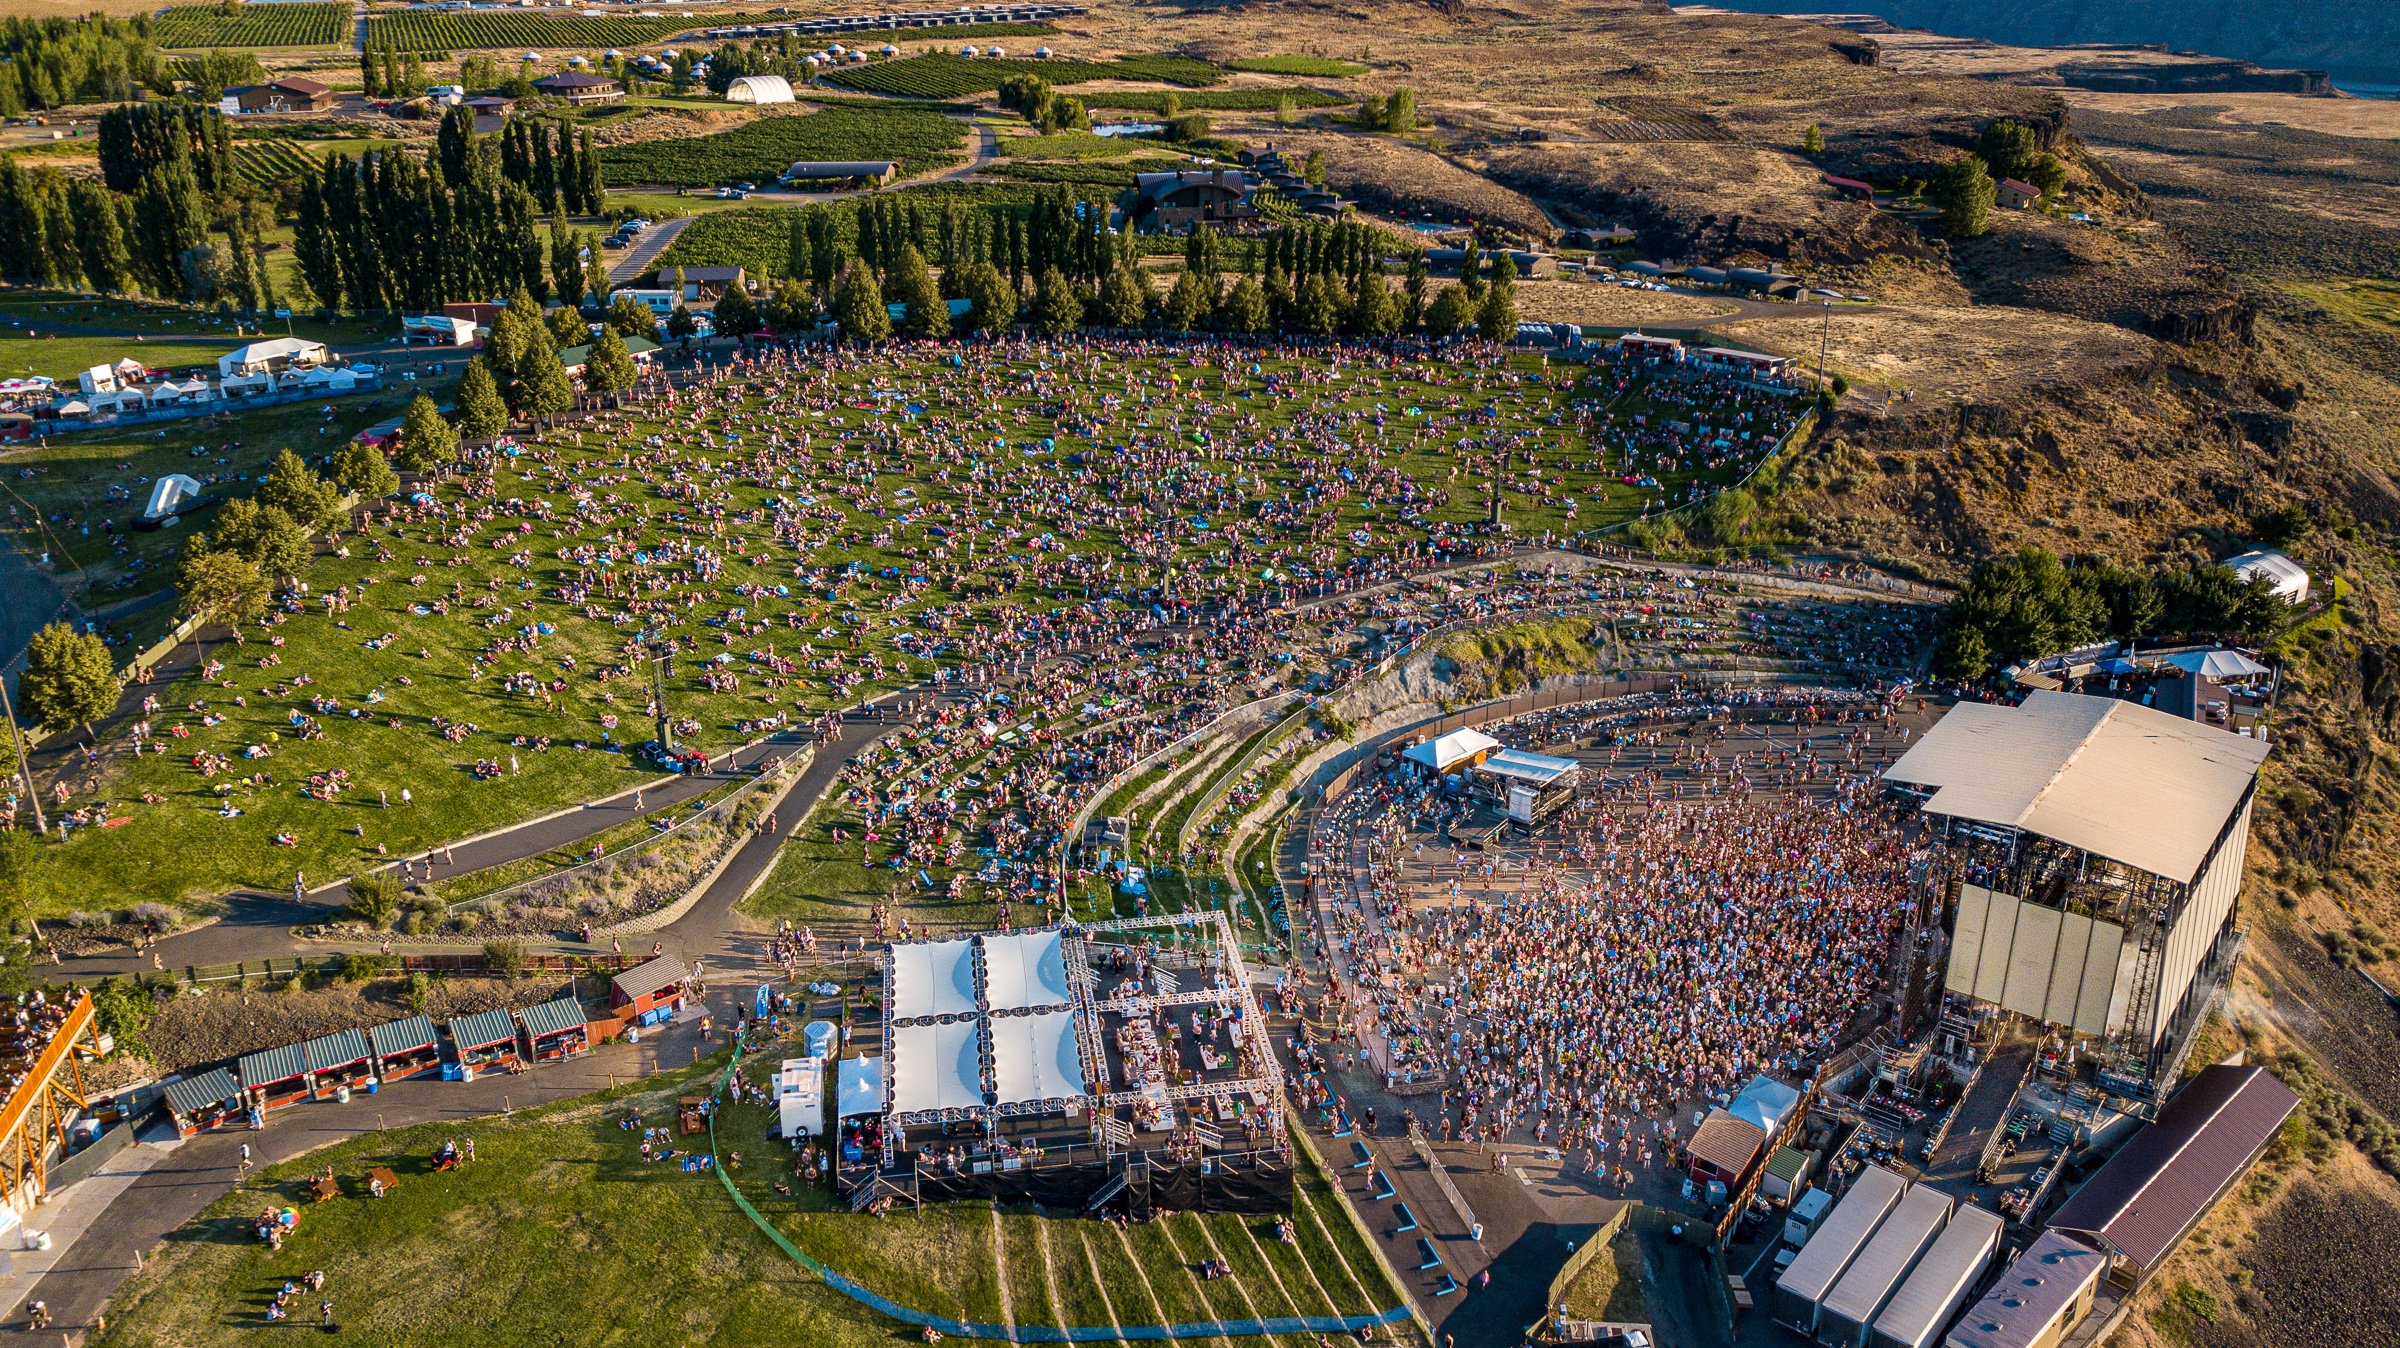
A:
[(1123, 1062)]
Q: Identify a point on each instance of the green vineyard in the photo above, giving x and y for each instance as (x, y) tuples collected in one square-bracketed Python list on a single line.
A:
[(1315, 67), (269, 163), (1216, 100), (502, 30), (763, 149), (942, 75), (276, 25)]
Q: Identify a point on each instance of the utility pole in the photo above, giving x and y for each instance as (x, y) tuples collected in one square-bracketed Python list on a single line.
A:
[(1824, 339), (24, 765)]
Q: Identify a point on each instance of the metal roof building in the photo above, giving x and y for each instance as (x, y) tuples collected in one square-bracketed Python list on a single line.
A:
[(1875, 1275), (469, 1033), (1939, 1284), (2095, 863), (2158, 1186), (549, 1018), (392, 1038), (209, 1090), (328, 1052), (1837, 1241), (2045, 1293)]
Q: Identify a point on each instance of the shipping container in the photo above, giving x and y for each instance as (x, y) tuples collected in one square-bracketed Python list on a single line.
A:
[(1873, 1277), (1838, 1239), (1933, 1293)]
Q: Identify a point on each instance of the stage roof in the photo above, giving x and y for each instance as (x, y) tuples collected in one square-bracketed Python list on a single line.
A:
[(1028, 969), (1034, 1057), (1519, 765), (933, 978), (937, 1067), (2110, 777)]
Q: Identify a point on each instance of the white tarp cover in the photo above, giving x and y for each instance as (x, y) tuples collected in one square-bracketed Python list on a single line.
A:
[(859, 1082), (1035, 1057), (1028, 969), (2128, 782), (170, 494), (937, 1067), (933, 978), (1448, 751), (2218, 665)]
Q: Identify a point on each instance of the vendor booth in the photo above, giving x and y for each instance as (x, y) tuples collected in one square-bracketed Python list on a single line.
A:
[(556, 1030), (652, 991), (199, 1103), (483, 1043), (337, 1062), (275, 1077), (405, 1048)]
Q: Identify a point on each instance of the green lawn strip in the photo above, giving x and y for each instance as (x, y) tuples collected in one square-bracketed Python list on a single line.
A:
[(1145, 1289), (1286, 1264), (1029, 1277), (1075, 1239), (936, 1259), (1335, 1246), (1180, 1298), (615, 839), (1265, 1286)]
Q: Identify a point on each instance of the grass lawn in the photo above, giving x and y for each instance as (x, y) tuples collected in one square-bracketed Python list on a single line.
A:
[(1610, 1286), (560, 1233), (853, 563)]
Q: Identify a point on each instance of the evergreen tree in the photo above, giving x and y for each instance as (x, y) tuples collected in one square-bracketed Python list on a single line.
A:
[(1124, 299), (1373, 313), (566, 260), (543, 390), (993, 297), (1057, 310), (1413, 286), (911, 283), (482, 413), (171, 218), (736, 316), (359, 469), (265, 534), (1496, 314), (1452, 309), (1245, 308), (68, 680), (1812, 141), (107, 267), (1189, 303), (858, 304), (1965, 192), (1317, 309), (1470, 269), (609, 370), (223, 586), (291, 488)]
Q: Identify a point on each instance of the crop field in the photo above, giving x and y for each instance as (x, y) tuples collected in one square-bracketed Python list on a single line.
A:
[(269, 163), (276, 25), (1310, 67), (942, 75), (1218, 100), (1069, 145), (758, 151)]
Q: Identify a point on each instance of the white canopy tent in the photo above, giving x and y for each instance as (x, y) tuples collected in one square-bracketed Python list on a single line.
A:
[(1036, 1058), (170, 494), (937, 1067), (1447, 753), (858, 1087), (1024, 970), (2289, 578), (933, 978)]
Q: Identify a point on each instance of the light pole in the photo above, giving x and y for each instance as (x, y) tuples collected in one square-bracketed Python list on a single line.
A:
[(1824, 339)]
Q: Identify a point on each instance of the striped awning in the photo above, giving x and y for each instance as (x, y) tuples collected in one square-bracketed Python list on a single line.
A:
[(208, 1090), (396, 1037), (272, 1066), (341, 1049), (468, 1033), (551, 1018)]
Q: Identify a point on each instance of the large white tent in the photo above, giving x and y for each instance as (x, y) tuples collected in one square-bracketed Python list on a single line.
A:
[(937, 1067), (1447, 753), (933, 978), (1035, 1058), (858, 1084), (1025, 970)]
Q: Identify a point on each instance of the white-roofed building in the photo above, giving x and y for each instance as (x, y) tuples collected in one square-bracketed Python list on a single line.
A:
[(2289, 578), (759, 89), (932, 978), (270, 356), (2097, 850), (1036, 1059), (936, 1068), (1023, 970)]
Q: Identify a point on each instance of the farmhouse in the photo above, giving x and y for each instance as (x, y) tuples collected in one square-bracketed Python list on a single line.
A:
[(818, 175), (1174, 202), (2096, 859), (579, 89), (293, 93), (2016, 196)]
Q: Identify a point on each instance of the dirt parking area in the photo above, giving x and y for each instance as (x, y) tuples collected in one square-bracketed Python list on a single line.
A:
[(1975, 350)]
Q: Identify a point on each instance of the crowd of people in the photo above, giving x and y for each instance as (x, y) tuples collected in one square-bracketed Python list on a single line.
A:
[(1720, 901)]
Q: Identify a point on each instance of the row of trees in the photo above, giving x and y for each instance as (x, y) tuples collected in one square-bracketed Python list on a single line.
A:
[(390, 73), (2030, 603), (49, 63), (167, 237), (395, 230), (545, 158)]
